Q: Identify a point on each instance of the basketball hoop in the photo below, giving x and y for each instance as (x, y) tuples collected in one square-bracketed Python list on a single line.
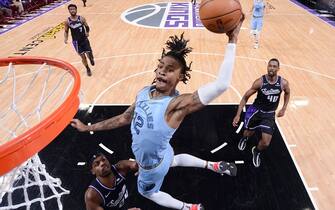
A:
[(21, 140)]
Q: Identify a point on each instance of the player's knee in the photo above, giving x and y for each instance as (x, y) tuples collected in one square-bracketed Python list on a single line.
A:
[(265, 142), (145, 188)]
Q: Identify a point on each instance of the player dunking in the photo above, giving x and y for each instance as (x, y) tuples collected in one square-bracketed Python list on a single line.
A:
[(108, 190), (261, 114), (157, 113), (79, 32)]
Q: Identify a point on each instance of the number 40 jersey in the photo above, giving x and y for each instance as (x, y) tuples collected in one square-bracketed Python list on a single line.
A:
[(268, 95)]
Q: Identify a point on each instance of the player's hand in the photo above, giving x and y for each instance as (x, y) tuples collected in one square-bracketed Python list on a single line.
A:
[(236, 120), (281, 113), (134, 208), (233, 34), (79, 125)]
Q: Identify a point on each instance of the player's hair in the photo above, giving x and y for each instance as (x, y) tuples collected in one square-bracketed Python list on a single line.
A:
[(71, 5), (93, 157), (177, 48), (274, 59)]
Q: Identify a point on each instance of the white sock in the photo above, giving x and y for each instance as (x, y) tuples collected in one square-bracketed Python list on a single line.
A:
[(212, 166), (257, 37), (166, 200), (187, 160)]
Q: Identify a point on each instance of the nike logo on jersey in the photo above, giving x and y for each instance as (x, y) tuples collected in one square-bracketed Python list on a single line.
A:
[(107, 195)]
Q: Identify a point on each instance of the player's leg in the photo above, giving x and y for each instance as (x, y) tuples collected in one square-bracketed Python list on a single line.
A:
[(84, 48), (263, 143), (253, 28), (89, 52), (267, 128), (80, 49), (166, 200), (243, 141), (221, 167), (259, 26), (150, 181), (250, 120), (84, 61)]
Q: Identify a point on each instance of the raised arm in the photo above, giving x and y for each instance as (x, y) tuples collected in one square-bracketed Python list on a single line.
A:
[(92, 200), (66, 31), (255, 86), (188, 103), (286, 89), (111, 123)]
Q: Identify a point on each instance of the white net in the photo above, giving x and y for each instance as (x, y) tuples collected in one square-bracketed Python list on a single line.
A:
[(22, 183), (28, 94)]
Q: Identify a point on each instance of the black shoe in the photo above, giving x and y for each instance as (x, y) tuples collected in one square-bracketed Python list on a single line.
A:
[(227, 168), (88, 71), (256, 159), (242, 143)]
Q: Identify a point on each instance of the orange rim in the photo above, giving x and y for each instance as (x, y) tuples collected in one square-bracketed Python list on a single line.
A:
[(21, 148)]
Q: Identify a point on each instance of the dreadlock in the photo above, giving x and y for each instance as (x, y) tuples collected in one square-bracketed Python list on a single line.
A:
[(177, 48)]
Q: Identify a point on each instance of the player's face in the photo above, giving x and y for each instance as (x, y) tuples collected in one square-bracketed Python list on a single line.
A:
[(101, 166), (73, 11), (273, 68), (168, 74)]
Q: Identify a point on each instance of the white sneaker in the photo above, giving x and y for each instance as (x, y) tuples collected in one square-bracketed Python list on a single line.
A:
[(242, 143), (256, 160)]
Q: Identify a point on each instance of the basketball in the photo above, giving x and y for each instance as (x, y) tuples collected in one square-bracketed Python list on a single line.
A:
[(220, 16)]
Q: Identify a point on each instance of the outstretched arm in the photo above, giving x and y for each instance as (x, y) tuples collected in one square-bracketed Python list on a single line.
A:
[(287, 91), (188, 103), (111, 123), (255, 86)]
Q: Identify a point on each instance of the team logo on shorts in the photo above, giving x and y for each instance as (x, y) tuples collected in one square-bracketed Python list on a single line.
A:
[(164, 15)]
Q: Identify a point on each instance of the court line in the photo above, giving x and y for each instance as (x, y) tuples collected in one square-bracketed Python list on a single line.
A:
[(106, 148), (217, 54), (219, 147), (145, 72), (297, 167)]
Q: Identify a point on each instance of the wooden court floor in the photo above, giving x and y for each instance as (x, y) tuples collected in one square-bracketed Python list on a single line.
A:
[(126, 56)]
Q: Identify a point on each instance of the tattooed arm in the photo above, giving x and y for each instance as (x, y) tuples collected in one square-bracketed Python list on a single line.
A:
[(111, 123), (181, 106)]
